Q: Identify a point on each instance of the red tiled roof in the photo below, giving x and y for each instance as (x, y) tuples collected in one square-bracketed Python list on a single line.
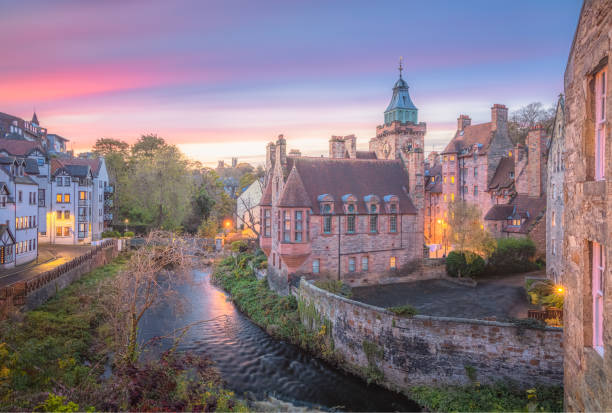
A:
[(294, 194), (16, 147), (359, 177), (471, 135), (501, 178)]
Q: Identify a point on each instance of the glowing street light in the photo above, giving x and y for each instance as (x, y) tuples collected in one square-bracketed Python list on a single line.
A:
[(126, 222)]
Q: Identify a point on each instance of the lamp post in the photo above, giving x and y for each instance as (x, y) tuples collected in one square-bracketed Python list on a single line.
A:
[(126, 222)]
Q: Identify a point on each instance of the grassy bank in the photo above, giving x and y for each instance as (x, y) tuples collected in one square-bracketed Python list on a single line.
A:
[(59, 358), (280, 317)]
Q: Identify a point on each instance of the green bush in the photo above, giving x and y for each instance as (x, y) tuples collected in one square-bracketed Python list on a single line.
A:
[(128, 234), (403, 310), (513, 255), (466, 264), (335, 287), (239, 246), (111, 234)]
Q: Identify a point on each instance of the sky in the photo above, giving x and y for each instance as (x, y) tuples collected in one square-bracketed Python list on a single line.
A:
[(220, 79)]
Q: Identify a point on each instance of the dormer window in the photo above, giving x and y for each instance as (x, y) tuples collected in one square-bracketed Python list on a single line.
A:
[(373, 208), (351, 208), (326, 208)]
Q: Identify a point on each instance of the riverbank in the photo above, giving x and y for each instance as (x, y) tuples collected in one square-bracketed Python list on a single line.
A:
[(59, 357), (282, 318)]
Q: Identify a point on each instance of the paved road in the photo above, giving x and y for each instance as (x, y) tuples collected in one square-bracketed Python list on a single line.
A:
[(49, 257), (501, 297)]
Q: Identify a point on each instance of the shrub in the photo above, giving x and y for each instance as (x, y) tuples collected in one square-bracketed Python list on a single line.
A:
[(128, 234), (465, 264), (513, 255), (335, 287), (111, 234), (239, 246), (403, 310)]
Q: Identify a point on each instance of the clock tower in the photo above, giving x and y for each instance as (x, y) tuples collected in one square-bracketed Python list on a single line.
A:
[(402, 136)]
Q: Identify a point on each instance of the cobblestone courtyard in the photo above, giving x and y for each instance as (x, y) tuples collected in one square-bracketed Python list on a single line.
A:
[(500, 297)]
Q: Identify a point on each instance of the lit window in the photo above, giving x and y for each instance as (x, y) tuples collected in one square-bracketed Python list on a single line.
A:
[(66, 214), (553, 219), (599, 263), (351, 264), (287, 226), (67, 231), (58, 231), (445, 179), (445, 198), (453, 197), (452, 158), (66, 198), (452, 179), (510, 154), (600, 125), (364, 263), (59, 214), (433, 179), (82, 195), (315, 266), (392, 263)]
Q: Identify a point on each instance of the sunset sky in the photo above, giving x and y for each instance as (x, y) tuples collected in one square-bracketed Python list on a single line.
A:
[(221, 79)]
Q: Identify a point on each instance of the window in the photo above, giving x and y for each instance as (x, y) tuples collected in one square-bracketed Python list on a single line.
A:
[(452, 197), (373, 208), (267, 223), (393, 223), (326, 208), (600, 125), (58, 198), (20, 196), (66, 198), (599, 263), (364, 263), (373, 223), (433, 179), (351, 264), (553, 219), (327, 224), (3, 201), (475, 190), (350, 224), (475, 171), (82, 195), (59, 214), (392, 263), (40, 161), (445, 179), (452, 179), (445, 199), (452, 158), (34, 221), (510, 154), (554, 246), (67, 231), (66, 214), (298, 226), (315, 266), (58, 231)]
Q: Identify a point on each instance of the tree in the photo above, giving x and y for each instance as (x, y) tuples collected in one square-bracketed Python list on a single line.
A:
[(528, 116), (467, 233), (109, 146), (250, 205), (147, 146), (245, 181), (208, 228)]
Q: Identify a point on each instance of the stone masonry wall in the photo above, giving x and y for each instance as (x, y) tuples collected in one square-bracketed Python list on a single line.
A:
[(423, 350)]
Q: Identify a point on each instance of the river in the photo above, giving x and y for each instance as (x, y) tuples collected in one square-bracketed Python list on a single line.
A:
[(252, 362)]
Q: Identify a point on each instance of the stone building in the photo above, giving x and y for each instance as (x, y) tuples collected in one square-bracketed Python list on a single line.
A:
[(588, 213), (434, 230), (337, 218), (554, 197)]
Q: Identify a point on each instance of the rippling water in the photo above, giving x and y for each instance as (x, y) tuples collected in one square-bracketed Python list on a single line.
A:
[(250, 361)]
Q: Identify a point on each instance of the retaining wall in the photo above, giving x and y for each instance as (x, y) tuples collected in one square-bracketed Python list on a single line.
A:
[(422, 350)]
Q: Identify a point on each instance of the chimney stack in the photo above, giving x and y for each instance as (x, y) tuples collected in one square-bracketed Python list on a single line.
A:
[(337, 147), (499, 118), (281, 150), (463, 121), (536, 142)]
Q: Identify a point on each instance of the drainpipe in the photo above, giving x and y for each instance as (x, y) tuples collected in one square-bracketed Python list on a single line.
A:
[(339, 236)]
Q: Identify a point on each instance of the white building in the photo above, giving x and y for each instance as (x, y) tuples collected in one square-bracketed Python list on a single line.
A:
[(247, 207)]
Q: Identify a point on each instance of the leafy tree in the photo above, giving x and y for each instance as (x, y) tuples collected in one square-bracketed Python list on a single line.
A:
[(245, 181), (466, 230), (147, 146), (208, 228), (109, 146), (528, 116)]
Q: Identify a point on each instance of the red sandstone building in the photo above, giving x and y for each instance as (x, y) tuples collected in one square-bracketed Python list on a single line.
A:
[(355, 214)]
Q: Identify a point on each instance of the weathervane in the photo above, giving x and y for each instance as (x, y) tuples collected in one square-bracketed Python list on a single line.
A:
[(400, 66)]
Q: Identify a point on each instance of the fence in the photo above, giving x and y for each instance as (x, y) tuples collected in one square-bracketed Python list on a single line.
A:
[(15, 295), (548, 314)]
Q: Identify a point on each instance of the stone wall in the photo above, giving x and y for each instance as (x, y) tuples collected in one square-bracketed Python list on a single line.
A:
[(422, 350)]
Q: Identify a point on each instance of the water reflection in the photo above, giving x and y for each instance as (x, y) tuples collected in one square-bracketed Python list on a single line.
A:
[(250, 361)]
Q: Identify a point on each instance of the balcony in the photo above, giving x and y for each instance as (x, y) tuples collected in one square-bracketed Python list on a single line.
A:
[(108, 216), (109, 189), (108, 203), (83, 218), (84, 202)]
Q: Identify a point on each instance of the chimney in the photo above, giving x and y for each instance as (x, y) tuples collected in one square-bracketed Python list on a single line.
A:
[(234, 162), (536, 142), (270, 155), (220, 164), (351, 146), (337, 147), (281, 150), (499, 118), (463, 121)]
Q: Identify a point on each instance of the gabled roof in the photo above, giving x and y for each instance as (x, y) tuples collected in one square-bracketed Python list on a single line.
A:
[(522, 206), (4, 229), (501, 178), (76, 166), (266, 198), (56, 136), (35, 119), (294, 194), (18, 147), (470, 135), (31, 166), (359, 177)]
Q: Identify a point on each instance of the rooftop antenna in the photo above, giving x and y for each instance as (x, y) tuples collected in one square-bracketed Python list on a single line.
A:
[(400, 66)]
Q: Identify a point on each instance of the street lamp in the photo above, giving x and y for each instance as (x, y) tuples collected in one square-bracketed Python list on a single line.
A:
[(126, 222)]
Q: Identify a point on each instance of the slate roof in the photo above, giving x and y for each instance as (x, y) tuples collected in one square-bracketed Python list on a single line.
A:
[(94, 164), (31, 166), (339, 177), (18, 147), (471, 134), (502, 178), (436, 185), (294, 194), (78, 169), (266, 198), (521, 206), (365, 155)]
